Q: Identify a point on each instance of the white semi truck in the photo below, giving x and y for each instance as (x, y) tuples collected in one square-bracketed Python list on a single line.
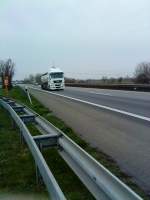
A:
[(53, 80)]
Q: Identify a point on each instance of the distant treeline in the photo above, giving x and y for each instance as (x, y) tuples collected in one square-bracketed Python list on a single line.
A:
[(140, 76), (103, 80)]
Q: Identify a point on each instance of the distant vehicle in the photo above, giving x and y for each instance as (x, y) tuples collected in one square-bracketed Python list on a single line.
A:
[(53, 80)]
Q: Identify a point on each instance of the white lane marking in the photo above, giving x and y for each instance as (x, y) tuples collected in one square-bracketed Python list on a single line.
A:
[(101, 93), (98, 105)]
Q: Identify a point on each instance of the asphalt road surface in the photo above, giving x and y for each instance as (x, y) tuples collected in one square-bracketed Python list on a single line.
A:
[(124, 137), (134, 102)]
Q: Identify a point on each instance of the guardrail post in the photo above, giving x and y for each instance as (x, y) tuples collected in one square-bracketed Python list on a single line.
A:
[(40, 147), (13, 124), (39, 180), (28, 94), (22, 141)]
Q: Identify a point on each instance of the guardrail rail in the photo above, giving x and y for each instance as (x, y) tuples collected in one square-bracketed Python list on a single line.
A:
[(131, 87), (99, 181)]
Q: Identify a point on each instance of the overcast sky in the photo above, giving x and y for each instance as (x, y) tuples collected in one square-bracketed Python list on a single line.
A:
[(85, 38)]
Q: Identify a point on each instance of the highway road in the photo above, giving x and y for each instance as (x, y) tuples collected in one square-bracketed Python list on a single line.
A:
[(116, 122), (133, 102)]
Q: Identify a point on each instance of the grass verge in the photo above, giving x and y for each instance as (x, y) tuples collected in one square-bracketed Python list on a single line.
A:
[(66, 179), (17, 168)]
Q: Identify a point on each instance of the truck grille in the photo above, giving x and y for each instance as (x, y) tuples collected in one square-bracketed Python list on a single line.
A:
[(58, 81)]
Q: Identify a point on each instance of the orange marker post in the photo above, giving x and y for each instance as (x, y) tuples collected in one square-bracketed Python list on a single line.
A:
[(6, 85)]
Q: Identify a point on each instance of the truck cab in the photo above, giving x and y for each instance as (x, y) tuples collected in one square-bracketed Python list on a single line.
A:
[(53, 80)]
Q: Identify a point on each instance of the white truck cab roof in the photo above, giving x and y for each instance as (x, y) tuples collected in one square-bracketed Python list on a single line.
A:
[(55, 70)]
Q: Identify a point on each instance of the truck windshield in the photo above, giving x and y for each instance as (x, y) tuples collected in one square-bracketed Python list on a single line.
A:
[(56, 75)]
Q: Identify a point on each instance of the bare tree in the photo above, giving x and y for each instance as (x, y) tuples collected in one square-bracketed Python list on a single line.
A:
[(26, 80), (31, 78), (104, 79), (1, 71), (142, 73), (38, 78), (120, 79), (7, 70)]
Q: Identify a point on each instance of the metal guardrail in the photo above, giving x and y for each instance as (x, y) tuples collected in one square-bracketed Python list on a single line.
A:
[(132, 87), (99, 181), (48, 178)]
